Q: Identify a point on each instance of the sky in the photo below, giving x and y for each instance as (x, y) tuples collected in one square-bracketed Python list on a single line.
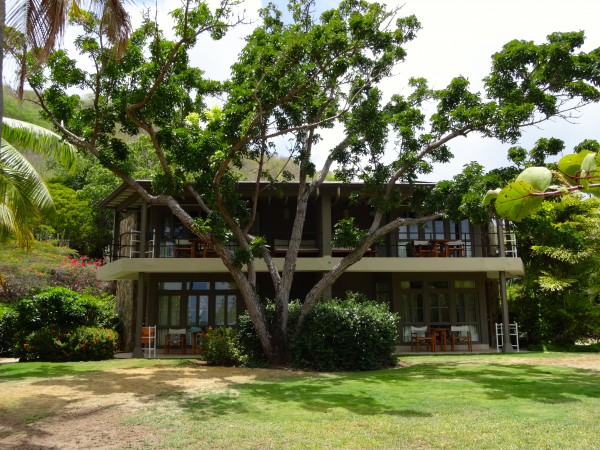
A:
[(457, 37)]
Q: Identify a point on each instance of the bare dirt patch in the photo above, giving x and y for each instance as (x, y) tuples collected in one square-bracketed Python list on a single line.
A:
[(95, 409), (91, 410)]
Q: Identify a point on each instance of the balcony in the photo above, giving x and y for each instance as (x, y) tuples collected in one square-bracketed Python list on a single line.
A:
[(471, 246)]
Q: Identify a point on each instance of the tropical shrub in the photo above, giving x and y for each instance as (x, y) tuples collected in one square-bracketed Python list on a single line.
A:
[(350, 334), (7, 330), (59, 325), (80, 275), (557, 302), (248, 339), (79, 344), (220, 347)]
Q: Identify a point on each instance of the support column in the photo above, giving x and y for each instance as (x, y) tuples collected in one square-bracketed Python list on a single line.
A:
[(325, 225), (139, 317), (114, 251), (143, 229)]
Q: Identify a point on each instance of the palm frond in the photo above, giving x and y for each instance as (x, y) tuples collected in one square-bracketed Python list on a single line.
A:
[(39, 139), (24, 197)]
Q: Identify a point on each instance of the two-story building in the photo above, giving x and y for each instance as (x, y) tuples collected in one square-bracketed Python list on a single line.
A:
[(440, 274)]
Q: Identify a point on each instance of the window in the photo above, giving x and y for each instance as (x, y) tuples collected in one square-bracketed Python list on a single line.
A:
[(413, 307), (408, 232), (439, 307), (196, 304), (197, 311), (382, 292), (225, 310), (466, 307), (439, 302), (169, 310)]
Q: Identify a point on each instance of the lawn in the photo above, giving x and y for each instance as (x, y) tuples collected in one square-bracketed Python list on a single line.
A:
[(447, 401)]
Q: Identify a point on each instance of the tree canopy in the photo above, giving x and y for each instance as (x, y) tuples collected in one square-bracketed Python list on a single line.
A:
[(293, 79)]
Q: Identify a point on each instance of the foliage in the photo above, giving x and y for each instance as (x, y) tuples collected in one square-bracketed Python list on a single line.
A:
[(249, 341), (45, 264), (23, 271), (23, 196), (220, 347), (297, 76), (346, 234), (80, 275), (61, 309), (78, 344), (349, 334), (576, 172), (25, 110), (7, 330), (74, 220), (558, 300)]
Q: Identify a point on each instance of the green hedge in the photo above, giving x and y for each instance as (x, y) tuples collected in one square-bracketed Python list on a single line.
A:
[(7, 330), (350, 334), (220, 347), (79, 344), (58, 324)]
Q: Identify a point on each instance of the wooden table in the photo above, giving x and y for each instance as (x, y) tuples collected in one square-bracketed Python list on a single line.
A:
[(205, 249), (442, 333)]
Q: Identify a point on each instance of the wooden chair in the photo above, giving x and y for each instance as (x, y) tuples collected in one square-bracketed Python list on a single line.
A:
[(149, 341), (460, 335), (423, 248), (420, 336), (455, 248), (175, 338), (183, 249)]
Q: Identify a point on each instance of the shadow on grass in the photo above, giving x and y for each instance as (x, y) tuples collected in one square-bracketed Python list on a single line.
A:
[(240, 390)]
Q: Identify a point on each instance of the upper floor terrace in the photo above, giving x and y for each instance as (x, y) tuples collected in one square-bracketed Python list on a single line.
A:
[(143, 231)]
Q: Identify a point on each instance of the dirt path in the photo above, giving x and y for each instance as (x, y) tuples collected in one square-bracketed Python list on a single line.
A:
[(90, 410)]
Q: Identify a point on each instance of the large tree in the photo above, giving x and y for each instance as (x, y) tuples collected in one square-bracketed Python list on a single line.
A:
[(294, 80)]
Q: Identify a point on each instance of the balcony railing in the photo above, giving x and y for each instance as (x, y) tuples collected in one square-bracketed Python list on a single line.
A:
[(472, 245)]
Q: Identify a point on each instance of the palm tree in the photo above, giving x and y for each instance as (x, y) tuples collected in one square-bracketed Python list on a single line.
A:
[(24, 197), (42, 24)]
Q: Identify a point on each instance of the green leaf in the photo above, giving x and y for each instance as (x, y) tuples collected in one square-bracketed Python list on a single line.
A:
[(589, 162), (490, 195), (518, 200), (538, 177), (570, 165)]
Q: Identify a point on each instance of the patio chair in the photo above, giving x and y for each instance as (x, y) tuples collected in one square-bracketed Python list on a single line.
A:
[(175, 338), (423, 248), (460, 335), (149, 341), (183, 249), (420, 336), (455, 248)]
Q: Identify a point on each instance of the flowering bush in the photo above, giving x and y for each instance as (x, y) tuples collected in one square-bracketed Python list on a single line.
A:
[(220, 347), (79, 344), (80, 275), (60, 325)]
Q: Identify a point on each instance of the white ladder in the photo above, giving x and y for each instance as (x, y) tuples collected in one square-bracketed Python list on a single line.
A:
[(513, 330)]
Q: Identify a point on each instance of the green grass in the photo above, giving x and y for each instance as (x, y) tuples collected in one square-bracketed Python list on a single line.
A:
[(449, 401)]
